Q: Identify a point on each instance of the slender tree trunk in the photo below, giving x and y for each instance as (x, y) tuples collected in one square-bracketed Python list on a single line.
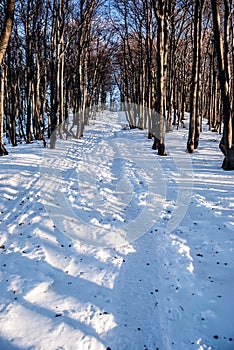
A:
[(199, 98), (4, 39), (194, 127), (226, 144), (162, 47), (29, 82), (3, 150)]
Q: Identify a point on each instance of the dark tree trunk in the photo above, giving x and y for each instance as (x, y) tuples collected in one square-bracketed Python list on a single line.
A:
[(194, 127), (4, 39), (226, 144)]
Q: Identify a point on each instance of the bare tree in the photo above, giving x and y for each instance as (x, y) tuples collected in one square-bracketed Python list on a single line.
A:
[(161, 11), (4, 39), (221, 46), (194, 124)]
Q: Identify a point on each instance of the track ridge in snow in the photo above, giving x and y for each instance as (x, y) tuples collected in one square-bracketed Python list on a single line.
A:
[(164, 290)]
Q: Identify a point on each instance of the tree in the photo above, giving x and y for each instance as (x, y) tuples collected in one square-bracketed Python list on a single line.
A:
[(194, 124), (221, 46), (161, 11), (4, 39)]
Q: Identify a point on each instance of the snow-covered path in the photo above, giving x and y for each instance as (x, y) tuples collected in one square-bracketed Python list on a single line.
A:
[(161, 289)]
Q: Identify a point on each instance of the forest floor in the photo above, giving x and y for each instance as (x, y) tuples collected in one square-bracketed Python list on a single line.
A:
[(105, 245)]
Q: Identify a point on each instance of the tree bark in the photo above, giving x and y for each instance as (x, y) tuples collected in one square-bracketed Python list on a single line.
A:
[(161, 14), (4, 39), (194, 126), (226, 144)]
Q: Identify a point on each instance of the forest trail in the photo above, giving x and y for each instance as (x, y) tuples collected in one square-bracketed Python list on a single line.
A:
[(161, 289)]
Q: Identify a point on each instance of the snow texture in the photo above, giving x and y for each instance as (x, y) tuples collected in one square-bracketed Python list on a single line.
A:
[(109, 280)]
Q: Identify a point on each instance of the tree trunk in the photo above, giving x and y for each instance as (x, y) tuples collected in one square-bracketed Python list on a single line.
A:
[(4, 39), (162, 46), (3, 150), (226, 144), (194, 127), (199, 98)]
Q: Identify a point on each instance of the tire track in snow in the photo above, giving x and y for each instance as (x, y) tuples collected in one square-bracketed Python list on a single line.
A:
[(102, 151)]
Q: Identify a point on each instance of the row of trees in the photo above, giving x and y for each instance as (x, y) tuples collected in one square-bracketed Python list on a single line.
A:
[(57, 61), (177, 56), (168, 57)]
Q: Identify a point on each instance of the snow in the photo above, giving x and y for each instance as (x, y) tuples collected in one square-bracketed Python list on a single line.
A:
[(105, 245)]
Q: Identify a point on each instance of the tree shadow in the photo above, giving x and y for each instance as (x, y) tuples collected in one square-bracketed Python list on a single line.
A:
[(6, 344)]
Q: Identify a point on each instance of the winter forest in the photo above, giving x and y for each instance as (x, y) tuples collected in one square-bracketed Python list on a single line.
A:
[(64, 57), (116, 174)]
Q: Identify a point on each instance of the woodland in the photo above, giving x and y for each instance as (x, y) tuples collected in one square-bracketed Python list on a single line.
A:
[(157, 59)]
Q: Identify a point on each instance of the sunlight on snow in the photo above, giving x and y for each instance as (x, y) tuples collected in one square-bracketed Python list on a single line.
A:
[(202, 346), (184, 250), (45, 297)]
